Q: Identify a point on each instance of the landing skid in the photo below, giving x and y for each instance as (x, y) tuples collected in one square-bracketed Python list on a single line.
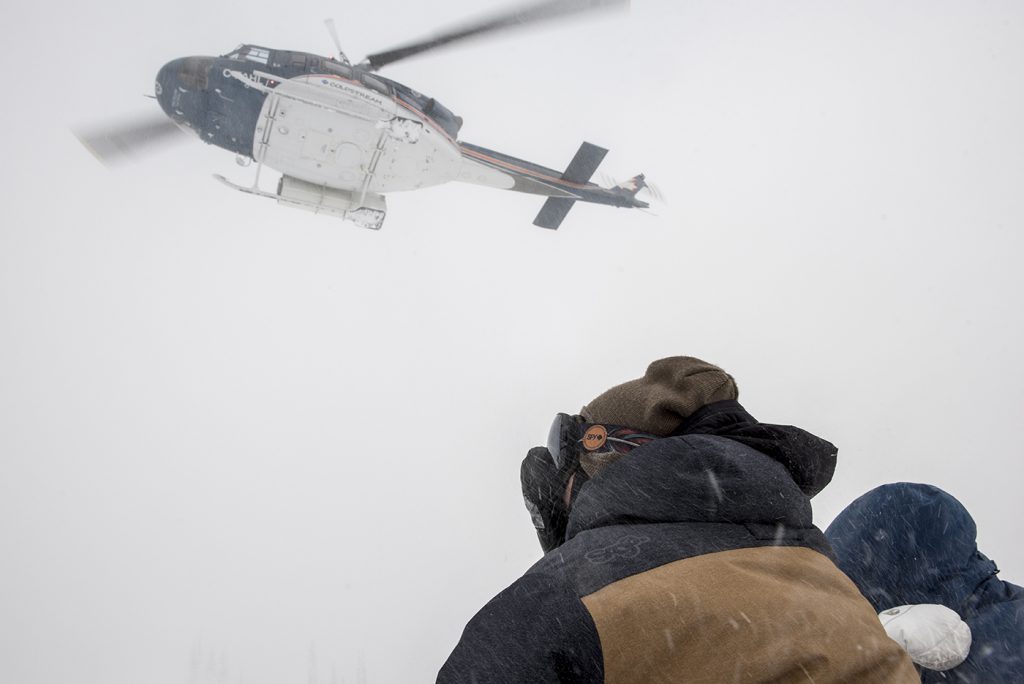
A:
[(253, 189)]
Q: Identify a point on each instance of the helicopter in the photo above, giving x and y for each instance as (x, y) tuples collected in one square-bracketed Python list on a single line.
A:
[(342, 136)]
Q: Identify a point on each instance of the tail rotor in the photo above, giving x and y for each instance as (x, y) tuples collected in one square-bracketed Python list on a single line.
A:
[(637, 185)]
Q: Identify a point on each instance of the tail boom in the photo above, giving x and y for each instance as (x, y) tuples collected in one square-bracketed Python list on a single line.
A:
[(563, 189)]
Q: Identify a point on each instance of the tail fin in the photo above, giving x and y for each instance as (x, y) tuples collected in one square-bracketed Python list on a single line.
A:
[(580, 169)]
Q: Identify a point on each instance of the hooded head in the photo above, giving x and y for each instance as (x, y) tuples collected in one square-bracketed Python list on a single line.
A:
[(624, 417), (677, 396), (908, 543)]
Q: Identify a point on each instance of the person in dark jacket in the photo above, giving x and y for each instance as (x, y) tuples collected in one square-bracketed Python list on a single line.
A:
[(679, 548), (915, 544)]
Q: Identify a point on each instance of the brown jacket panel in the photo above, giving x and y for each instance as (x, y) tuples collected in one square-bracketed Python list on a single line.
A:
[(767, 614)]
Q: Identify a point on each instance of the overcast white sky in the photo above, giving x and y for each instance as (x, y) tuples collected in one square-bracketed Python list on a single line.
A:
[(248, 432)]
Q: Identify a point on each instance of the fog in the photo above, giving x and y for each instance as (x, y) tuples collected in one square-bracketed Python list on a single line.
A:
[(244, 443)]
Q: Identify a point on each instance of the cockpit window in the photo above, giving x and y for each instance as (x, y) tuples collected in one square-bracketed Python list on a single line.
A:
[(251, 53), (258, 55)]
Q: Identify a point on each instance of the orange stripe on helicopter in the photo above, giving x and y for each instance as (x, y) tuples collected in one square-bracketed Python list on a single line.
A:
[(528, 172)]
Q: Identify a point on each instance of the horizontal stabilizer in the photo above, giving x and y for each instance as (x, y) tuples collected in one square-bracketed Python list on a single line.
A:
[(583, 165), (553, 212), (579, 171)]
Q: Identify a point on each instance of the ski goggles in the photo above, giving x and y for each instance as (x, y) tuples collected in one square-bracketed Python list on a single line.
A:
[(570, 436), (547, 471)]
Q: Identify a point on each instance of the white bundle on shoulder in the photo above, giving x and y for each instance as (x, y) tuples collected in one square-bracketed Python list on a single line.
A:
[(934, 636)]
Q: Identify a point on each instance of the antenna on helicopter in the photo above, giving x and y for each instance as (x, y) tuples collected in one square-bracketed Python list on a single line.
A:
[(337, 43)]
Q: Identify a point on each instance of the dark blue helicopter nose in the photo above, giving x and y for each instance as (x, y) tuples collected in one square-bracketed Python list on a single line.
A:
[(165, 85), (181, 90)]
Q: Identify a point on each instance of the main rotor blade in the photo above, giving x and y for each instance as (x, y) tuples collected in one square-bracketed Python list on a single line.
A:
[(115, 144), (337, 42), (530, 14)]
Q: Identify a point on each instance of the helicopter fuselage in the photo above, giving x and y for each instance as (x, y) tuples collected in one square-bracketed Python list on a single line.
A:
[(314, 119), (343, 136)]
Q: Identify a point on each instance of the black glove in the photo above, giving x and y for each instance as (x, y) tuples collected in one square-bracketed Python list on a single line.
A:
[(544, 492)]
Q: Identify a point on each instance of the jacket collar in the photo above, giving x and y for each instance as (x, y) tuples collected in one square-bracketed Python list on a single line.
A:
[(693, 478)]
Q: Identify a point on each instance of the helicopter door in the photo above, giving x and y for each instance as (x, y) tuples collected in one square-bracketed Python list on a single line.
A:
[(317, 146)]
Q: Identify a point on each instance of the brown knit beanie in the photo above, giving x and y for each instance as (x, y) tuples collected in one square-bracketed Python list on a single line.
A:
[(671, 390)]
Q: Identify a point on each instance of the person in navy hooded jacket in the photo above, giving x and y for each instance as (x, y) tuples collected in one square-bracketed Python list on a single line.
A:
[(908, 544)]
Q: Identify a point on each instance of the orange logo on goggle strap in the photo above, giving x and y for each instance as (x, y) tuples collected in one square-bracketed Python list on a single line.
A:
[(595, 437)]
